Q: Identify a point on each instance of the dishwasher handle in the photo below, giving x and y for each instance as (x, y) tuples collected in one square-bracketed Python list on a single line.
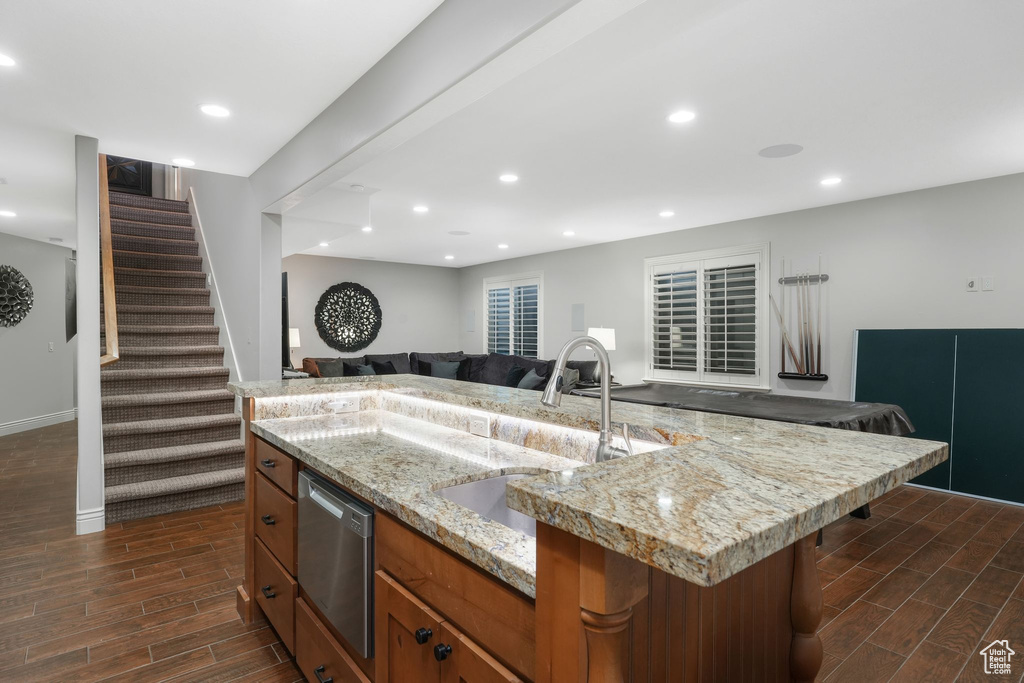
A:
[(326, 501)]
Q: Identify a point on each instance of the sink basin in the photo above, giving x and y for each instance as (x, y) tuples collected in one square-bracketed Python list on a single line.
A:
[(486, 497)]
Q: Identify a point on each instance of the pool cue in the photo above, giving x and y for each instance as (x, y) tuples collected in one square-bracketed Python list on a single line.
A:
[(819, 314), (782, 296), (801, 322), (787, 344), (810, 324)]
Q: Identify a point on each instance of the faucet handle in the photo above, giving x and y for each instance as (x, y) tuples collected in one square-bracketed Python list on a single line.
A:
[(625, 438)]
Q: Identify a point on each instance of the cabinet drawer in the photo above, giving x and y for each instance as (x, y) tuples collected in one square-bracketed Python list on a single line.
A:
[(276, 592), (278, 467), (276, 516), (317, 653)]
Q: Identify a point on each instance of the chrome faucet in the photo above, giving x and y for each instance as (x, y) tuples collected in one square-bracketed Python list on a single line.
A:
[(552, 396)]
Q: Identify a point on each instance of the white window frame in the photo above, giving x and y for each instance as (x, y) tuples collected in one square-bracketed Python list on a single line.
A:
[(511, 281), (761, 379)]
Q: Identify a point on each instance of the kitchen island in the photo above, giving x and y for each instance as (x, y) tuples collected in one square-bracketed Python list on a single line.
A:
[(693, 559)]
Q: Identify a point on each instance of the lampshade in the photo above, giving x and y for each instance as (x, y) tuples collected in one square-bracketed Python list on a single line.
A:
[(605, 335), (293, 337)]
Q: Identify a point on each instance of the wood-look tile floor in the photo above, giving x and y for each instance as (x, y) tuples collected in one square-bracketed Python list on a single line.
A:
[(149, 600), (915, 592)]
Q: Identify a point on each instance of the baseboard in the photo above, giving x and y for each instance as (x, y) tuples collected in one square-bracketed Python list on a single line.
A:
[(37, 422), (90, 521), (966, 495)]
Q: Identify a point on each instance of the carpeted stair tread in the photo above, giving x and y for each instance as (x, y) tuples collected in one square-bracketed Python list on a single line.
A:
[(162, 329), (155, 245), (117, 224), (174, 485), (168, 425), (150, 308), (144, 202), (142, 289), (151, 398), (142, 215), (152, 456), (167, 351), (112, 373)]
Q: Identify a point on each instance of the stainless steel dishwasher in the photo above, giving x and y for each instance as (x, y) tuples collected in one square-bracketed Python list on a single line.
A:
[(336, 558)]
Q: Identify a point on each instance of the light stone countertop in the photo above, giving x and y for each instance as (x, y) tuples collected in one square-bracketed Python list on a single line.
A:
[(724, 493)]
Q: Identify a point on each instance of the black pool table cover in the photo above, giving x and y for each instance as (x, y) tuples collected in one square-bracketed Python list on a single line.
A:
[(878, 418)]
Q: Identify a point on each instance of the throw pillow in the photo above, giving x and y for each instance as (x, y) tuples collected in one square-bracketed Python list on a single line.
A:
[(331, 368), (354, 370), (444, 369), (532, 380), (515, 376), (385, 368), (569, 380)]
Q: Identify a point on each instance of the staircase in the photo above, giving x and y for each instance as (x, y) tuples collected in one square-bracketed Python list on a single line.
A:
[(171, 438)]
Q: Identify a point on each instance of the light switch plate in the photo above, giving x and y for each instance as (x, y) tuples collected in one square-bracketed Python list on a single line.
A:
[(480, 425), (988, 283), (972, 284), (345, 405)]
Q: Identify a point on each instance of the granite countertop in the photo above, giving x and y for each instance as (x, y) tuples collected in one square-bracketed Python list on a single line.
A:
[(723, 493)]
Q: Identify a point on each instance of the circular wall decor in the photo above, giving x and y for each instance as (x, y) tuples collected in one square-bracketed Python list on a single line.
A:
[(347, 317), (16, 297)]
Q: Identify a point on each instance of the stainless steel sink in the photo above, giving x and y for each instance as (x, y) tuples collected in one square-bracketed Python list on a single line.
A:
[(486, 497)]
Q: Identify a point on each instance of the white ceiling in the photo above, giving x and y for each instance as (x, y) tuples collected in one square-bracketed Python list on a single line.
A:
[(891, 95), (133, 75)]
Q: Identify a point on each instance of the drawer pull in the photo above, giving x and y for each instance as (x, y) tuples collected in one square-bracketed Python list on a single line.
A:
[(423, 635), (441, 651), (267, 593), (267, 462), (318, 671), (268, 520)]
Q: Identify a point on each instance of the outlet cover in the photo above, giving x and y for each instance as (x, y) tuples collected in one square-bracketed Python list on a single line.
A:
[(972, 284), (345, 405), (988, 283), (480, 425)]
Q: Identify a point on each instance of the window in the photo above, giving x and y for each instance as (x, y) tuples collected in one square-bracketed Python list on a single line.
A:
[(707, 317), (514, 312)]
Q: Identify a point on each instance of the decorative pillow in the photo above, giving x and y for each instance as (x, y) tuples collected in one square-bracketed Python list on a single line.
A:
[(532, 380), (400, 361), (589, 373), (415, 357), (570, 378), (353, 370), (385, 368), (331, 368), (515, 376), (445, 369)]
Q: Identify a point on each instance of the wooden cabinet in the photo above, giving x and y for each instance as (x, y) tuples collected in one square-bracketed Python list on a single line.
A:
[(276, 592), (279, 468), (318, 654), (276, 518), (415, 645)]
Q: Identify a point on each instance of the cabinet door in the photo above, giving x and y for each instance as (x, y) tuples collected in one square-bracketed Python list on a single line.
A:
[(467, 663), (400, 620)]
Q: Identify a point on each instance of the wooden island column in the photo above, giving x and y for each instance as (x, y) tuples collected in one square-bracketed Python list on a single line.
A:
[(606, 618)]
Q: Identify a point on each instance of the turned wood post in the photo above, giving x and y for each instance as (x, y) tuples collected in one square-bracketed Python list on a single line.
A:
[(805, 652), (585, 599)]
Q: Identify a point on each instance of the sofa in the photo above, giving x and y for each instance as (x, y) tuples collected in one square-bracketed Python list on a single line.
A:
[(483, 368)]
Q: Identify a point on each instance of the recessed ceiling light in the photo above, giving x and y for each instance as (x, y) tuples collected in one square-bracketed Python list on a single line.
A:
[(834, 180), (6, 61), (681, 116), (323, 244), (8, 214), (449, 257), (779, 151), (458, 233), (568, 233), (508, 177), (667, 214), (367, 228), (503, 246), (183, 162), (214, 110), (357, 187), (419, 208)]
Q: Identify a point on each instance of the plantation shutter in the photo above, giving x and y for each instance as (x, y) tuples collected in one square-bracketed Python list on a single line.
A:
[(513, 317), (730, 319), (674, 318)]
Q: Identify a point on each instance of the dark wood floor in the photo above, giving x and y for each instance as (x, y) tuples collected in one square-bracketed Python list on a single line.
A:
[(150, 600), (915, 592), (911, 594)]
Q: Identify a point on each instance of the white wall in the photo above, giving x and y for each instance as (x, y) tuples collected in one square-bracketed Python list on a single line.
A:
[(233, 234), (38, 385), (895, 262), (418, 303)]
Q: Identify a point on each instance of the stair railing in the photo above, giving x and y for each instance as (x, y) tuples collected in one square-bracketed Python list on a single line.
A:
[(112, 351)]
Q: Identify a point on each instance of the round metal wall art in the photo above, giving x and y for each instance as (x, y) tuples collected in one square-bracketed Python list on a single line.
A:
[(347, 317), (16, 297)]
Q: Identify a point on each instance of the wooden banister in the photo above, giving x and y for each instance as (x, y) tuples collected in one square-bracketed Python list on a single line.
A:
[(111, 352)]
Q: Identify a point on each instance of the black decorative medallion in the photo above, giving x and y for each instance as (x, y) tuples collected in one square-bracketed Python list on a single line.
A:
[(347, 317), (16, 297), (130, 175)]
